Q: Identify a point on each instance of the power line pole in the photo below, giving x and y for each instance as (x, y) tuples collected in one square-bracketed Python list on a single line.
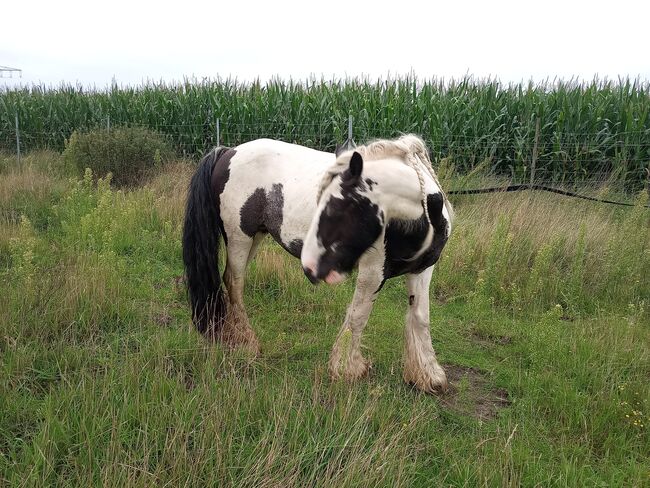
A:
[(17, 139)]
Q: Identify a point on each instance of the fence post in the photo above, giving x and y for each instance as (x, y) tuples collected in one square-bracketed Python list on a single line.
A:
[(533, 163), (218, 132), (349, 127), (17, 139), (108, 123), (647, 180)]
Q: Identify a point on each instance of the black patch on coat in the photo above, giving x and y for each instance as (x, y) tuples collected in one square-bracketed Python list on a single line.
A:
[(403, 239), (263, 213), (370, 182), (220, 176), (347, 227), (411, 299), (251, 215)]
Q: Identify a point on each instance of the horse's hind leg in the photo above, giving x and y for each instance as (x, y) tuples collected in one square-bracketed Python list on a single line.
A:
[(421, 367), (237, 331)]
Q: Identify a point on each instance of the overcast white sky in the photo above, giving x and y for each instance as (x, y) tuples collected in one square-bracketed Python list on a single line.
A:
[(130, 41)]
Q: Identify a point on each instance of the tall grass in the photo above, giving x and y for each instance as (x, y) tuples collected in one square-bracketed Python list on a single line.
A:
[(530, 252), (104, 382), (585, 128)]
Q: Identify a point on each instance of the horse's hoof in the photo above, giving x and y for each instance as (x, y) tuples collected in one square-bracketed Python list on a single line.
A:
[(429, 380), (357, 370), (430, 388), (350, 372)]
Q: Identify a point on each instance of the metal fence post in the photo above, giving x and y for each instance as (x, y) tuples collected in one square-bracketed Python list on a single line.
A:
[(218, 132), (533, 163), (349, 127), (17, 139), (108, 123)]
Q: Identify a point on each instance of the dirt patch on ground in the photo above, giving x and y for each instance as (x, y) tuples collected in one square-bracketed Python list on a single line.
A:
[(486, 339), (470, 394)]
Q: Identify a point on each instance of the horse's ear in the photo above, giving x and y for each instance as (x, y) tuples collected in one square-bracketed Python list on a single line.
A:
[(356, 165)]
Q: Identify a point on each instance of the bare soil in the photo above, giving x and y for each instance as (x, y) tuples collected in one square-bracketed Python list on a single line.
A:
[(469, 393)]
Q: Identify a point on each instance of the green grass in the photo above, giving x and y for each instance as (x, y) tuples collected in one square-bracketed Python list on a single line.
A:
[(104, 382), (586, 129)]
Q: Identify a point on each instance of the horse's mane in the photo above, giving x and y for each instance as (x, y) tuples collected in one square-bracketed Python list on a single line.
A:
[(409, 148), (402, 147)]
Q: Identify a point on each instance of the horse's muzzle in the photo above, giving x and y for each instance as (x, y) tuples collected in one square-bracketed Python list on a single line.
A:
[(310, 275)]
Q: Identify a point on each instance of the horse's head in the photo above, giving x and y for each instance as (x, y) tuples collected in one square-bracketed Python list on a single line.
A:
[(346, 223)]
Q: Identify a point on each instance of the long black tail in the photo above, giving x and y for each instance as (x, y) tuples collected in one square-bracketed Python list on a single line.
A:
[(201, 239)]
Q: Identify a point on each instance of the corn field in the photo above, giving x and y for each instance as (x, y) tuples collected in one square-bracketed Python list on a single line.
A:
[(584, 130)]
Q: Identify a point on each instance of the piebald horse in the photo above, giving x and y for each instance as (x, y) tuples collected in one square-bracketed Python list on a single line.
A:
[(377, 207)]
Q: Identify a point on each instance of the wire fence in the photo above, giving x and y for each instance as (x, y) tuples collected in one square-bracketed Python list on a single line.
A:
[(565, 159)]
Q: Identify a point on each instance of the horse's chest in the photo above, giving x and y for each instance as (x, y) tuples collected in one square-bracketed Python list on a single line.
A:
[(402, 241)]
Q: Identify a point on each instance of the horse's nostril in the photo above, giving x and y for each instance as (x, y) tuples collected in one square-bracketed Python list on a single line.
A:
[(310, 275)]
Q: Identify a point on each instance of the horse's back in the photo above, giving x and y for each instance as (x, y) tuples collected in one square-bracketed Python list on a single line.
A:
[(271, 187), (263, 148)]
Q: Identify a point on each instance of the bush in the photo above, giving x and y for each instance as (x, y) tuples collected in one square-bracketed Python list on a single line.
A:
[(128, 153)]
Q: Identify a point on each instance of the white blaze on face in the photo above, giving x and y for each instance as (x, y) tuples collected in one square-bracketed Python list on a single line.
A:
[(312, 251), (312, 248)]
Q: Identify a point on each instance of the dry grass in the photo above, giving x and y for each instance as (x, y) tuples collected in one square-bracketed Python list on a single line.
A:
[(273, 263), (170, 188), (532, 236), (37, 174)]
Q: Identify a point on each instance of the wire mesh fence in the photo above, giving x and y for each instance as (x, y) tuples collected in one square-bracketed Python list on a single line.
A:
[(563, 158)]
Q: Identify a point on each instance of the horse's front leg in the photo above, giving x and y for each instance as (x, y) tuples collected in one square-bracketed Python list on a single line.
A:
[(346, 360), (421, 367)]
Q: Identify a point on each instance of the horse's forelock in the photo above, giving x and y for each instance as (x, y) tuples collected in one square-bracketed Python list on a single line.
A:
[(332, 172)]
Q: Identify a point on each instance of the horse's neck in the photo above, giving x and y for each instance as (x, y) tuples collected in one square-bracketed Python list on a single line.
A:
[(398, 191)]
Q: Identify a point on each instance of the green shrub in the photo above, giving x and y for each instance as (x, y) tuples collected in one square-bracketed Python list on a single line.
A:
[(128, 153)]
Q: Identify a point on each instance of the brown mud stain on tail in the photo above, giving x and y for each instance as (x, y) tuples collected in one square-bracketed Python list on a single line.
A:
[(469, 393)]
